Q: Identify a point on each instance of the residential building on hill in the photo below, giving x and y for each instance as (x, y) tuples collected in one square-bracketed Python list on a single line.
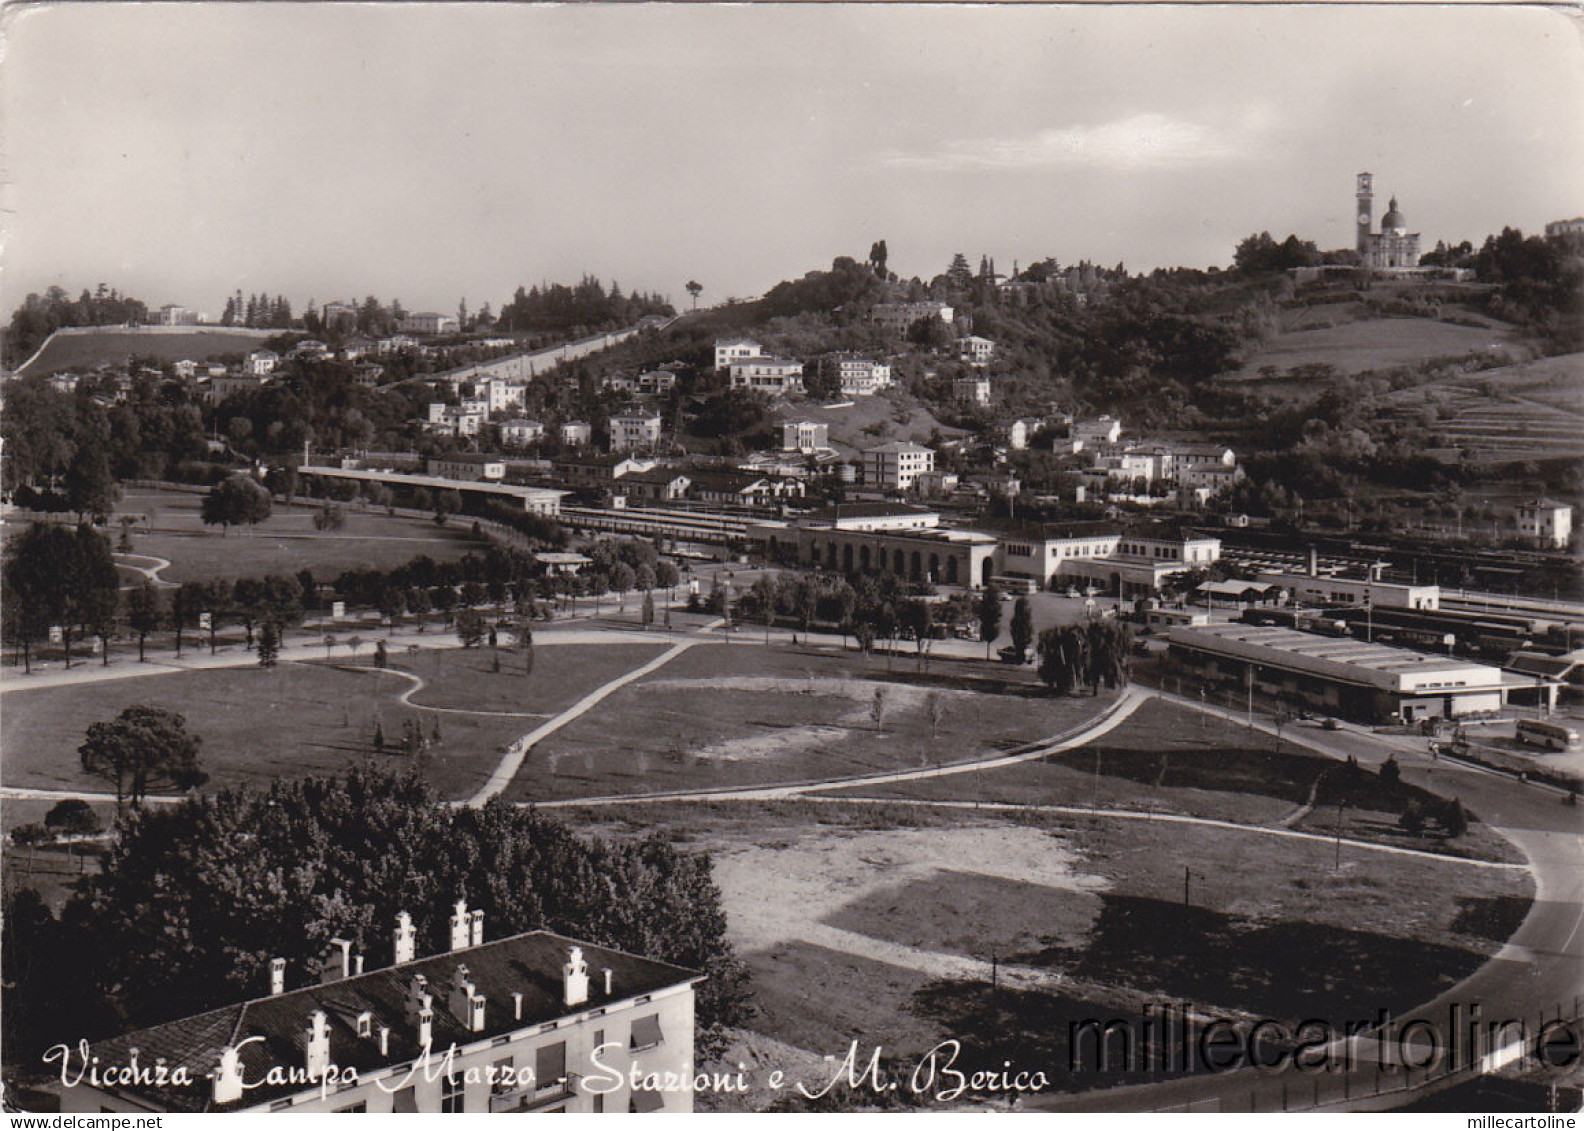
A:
[(773, 375), (1545, 522), (804, 436), (895, 465), (729, 350), (633, 430)]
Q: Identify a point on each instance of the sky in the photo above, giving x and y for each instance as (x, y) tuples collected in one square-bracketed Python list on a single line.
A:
[(432, 153)]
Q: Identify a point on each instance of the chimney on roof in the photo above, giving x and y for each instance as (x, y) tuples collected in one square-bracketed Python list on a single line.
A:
[(417, 996), (277, 976), (466, 1003), (318, 1052), (384, 1039), (476, 928), (426, 1024), (460, 931), (337, 962), (406, 940), (607, 981), (1314, 562), (227, 1077), (575, 979), (517, 999)]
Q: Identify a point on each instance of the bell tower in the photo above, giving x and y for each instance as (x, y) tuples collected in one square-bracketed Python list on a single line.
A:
[(1366, 211)]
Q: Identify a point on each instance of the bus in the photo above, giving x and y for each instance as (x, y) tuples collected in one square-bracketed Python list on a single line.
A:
[(1553, 736)]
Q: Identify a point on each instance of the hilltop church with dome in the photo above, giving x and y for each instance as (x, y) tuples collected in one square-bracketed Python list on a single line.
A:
[(1393, 247)]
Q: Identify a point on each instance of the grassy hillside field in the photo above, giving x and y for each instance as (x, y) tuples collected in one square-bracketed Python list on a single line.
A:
[(85, 348)]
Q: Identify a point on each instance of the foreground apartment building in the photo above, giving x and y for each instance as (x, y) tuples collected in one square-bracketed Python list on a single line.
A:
[(531, 1023)]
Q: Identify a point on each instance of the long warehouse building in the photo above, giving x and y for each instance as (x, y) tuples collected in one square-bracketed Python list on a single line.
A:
[(1353, 678)]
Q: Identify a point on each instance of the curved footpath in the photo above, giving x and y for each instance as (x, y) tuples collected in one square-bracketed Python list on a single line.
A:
[(1537, 975)]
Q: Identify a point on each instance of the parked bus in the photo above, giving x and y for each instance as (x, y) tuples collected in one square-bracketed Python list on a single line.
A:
[(1553, 736)]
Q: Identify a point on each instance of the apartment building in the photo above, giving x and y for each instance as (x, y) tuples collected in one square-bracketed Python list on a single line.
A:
[(536, 1022), (895, 465), (633, 430), (773, 375)]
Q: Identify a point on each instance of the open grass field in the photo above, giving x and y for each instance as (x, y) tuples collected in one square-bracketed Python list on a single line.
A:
[(311, 718), (285, 543), (734, 715), (871, 923), (1372, 344), (83, 349), (1169, 759)]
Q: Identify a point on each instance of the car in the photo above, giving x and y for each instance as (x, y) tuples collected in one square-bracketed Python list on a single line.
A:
[(1328, 724), (1012, 655)]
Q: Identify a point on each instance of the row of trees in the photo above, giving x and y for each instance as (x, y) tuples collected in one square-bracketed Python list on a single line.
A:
[(39, 316), (194, 900), (1085, 655), (584, 307)]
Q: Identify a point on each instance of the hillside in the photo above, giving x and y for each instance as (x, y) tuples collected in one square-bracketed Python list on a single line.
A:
[(1377, 344), (82, 348), (1531, 411), (892, 415)]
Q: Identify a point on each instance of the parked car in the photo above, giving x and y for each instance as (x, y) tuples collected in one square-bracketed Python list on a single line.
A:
[(1012, 655), (1328, 724)]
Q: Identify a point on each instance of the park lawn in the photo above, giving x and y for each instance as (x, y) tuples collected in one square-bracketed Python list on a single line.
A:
[(734, 715), (466, 679), (285, 543), (1168, 758), (256, 726), (1376, 343), (1271, 930)]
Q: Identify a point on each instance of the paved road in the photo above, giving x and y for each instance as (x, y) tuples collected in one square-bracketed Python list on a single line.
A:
[(1540, 972)]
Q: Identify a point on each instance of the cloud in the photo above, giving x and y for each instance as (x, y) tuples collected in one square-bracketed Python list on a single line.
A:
[(1143, 141)]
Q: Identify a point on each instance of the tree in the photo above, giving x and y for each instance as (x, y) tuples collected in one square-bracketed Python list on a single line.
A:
[(194, 900), (72, 816), (525, 642), (268, 645), (236, 501), (877, 707), (989, 617), (58, 576), (470, 627), (329, 516), (935, 711), (1390, 775), (918, 621), (1058, 659), (648, 609), (1454, 818), (1022, 627), (91, 488), (666, 575), (146, 745), (446, 504), (694, 288)]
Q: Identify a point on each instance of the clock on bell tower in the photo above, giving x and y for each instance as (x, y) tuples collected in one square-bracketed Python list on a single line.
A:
[(1366, 210)]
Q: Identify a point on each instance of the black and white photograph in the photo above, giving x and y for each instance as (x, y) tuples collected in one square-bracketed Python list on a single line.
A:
[(791, 558)]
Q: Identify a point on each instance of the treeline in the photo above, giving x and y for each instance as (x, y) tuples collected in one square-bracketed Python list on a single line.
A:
[(258, 311), (67, 447), (583, 308), (39, 316), (251, 876)]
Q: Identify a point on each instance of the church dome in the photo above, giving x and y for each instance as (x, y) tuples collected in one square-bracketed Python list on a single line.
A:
[(1393, 220)]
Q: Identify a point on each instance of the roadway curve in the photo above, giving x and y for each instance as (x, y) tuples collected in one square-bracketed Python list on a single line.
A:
[(1540, 972)]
